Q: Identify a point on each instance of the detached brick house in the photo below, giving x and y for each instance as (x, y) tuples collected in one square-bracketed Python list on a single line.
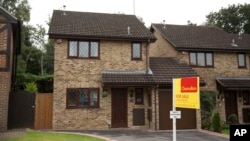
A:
[(221, 59), (105, 77), (9, 48)]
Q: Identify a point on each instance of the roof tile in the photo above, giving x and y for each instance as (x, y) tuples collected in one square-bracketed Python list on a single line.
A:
[(185, 37), (98, 25)]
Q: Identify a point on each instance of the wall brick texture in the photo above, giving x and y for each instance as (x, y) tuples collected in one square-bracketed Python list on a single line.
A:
[(225, 65), (85, 73), (5, 80)]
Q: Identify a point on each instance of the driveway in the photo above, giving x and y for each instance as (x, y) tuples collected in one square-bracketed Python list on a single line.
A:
[(146, 135)]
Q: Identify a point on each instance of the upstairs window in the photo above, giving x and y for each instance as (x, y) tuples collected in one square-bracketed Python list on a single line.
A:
[(241, 60), (136, 51), (82, 97), (201, 59), (83, 49)]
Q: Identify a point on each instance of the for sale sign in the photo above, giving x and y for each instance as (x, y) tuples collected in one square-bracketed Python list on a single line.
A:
[(187, 92)]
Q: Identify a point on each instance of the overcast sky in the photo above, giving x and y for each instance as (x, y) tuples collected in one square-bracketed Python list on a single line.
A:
[(152, 11)]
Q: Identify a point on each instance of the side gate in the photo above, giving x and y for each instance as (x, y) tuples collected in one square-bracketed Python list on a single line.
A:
[(44, 111), (21, 110)]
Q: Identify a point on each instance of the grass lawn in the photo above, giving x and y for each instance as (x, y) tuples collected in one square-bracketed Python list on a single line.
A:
[(225, 131), (43, 136)]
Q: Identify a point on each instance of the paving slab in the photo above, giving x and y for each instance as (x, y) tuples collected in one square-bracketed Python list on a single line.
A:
[(12, 134), (148, 135)]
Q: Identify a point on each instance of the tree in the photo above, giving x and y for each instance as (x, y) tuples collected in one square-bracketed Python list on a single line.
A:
[(38, 41), (19, 8), (234, 19), (190, 23)]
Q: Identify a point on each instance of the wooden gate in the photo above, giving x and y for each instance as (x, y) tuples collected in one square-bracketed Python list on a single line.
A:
[(21, 110), (44, 109)]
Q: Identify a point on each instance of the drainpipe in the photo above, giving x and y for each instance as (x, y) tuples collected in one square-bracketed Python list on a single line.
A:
[(147, 57), (155, 107)]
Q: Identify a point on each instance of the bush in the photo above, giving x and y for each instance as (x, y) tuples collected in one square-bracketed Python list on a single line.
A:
[(216, 123), (232, 119), (206, 124), (44, 82), (208, 102), (31, 87)]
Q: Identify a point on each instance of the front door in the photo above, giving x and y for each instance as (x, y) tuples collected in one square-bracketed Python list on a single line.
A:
[(119, 108), (231, 103)]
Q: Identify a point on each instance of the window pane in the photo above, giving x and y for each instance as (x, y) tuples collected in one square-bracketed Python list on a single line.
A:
[(139, 96), (241, 60), (94, 49), (73, 48), (72, 96), (83, 49), (246, 98), (193, 59), (93, 97), (209, 59), (136, 50), (83, 97), (201, 59)]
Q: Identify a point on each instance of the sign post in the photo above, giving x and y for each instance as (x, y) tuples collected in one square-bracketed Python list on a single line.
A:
[(185, 95), (174, 110)]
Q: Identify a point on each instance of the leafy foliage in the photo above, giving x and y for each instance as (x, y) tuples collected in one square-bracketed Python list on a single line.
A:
[(35, 63), (19, 8), (44, 82), (234, 19), (232, 118), (216, 122), (208, 102), (31, 87)]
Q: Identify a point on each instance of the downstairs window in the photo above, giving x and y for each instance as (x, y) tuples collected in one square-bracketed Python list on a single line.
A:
[(82, 97)]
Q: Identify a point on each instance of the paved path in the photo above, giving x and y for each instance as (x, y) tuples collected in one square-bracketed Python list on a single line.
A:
[(12, 134), (145, 135), (130, 135)]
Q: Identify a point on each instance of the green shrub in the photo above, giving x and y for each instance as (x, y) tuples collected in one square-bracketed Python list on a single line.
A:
[(208, 102), (232, 118), (31, 87), (225, 126), (216, 123), (206, 124)]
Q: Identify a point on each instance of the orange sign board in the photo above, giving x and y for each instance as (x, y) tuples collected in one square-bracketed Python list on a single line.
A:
[(187, 92)]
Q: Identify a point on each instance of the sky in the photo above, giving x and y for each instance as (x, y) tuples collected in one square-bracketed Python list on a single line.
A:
[(151, 11)]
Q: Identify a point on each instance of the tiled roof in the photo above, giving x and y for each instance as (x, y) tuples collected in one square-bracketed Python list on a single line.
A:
[(98, 26), (126, 77), (166, 68), (162, 71), (233, 83), (185, 37)]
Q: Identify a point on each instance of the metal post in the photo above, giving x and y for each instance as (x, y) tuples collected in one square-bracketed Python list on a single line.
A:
[(174, 109)]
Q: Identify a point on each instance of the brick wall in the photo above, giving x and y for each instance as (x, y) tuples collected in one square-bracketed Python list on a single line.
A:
[(225, 64), (5, 81), (85, 73)]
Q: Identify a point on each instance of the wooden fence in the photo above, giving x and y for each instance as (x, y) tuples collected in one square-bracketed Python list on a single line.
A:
[(43, 111)]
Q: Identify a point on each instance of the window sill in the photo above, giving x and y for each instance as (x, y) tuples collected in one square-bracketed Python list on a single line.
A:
[(93, 107), (202, 66)]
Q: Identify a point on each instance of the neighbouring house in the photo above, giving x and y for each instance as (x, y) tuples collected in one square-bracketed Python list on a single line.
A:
[(221, 59), (105, 78), (9, 48)]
